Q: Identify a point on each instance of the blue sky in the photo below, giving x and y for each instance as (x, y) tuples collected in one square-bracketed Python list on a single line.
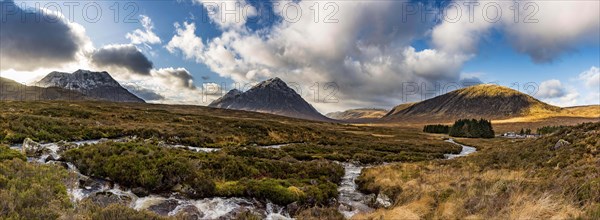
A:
[(369, 52)]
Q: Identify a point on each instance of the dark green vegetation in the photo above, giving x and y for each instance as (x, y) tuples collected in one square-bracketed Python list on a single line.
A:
[(9, 154), (505, 179), (158, 169), (525, 131), (32, 191), (549, 129), (436, 129), (472, 129)]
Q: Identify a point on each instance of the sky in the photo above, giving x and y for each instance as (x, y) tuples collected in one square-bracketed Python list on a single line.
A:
[(337, 54)]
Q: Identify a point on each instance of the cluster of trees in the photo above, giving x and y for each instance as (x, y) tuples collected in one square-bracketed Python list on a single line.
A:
[(525, 131), (472, 128), (549, 129), (437, 129)]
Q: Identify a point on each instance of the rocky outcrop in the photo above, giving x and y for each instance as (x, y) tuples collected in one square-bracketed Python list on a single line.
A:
[(105, 199), (33, 149), (560, 144)]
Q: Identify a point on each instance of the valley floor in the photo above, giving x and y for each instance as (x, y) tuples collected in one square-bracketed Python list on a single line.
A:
[(195, 153)]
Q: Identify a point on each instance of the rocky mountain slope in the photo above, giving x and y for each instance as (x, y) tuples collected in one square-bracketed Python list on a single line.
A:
[(271, 96), (358, 114), (96, 85), (480, 101), (14, 91)]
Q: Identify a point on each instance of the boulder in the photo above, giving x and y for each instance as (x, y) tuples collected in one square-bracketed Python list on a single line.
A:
[(33, 149), (64, 146), (105, 199), (163, 208), (293, 208), (383, 201), (189, 212), (140, 192), (561, 143)]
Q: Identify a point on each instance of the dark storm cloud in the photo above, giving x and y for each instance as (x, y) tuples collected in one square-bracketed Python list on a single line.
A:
[(179, 77), (145, 94), (30, 39), (122, 56)]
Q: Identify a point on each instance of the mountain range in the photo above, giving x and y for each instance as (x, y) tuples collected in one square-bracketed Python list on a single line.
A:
[(271, 96), (95, 85), (274, 96)]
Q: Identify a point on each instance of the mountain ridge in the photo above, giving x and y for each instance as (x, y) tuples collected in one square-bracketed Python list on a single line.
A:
[(479, 101)]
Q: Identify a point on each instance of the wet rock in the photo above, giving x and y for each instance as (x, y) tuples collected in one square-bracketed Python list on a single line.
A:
[(370, 200), (383, 201), (64, 146), (105, 199), (242, 213), (140, 192), (293, 208), (51, 158), (186, 190), (33, 149), (345, 208), (189, 212), (163, 208), (561, 143), (59, 163)]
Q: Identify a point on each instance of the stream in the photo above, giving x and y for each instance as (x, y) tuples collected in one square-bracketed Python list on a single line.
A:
[(466, 150), (351, 200)]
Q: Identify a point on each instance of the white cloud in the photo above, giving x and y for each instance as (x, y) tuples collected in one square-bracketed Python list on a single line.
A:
[(186, 41), (591, 78), (544, 30), (551, 89), (146, 36)]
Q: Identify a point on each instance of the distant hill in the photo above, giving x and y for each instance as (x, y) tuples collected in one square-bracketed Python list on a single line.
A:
[(96, 85), (480, 101), (358, 114), (271, 96), (14, 91)]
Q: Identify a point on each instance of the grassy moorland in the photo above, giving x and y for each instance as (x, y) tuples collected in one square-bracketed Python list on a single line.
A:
[(303, 172), (505, 179)]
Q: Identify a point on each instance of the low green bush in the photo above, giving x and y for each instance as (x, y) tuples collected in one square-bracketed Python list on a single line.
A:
[(8, 154)]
